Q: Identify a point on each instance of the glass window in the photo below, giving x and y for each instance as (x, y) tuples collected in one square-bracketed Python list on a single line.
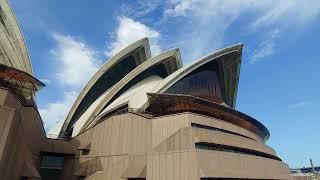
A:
[(52, 162), (204, 82)]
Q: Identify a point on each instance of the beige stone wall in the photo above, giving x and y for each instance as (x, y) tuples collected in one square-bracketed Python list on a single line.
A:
[(232, 165), (218, 123), (173, 155), (302, 177), (21, 134), (130, 146), (112, 144), (216, 137), (163, 148), (172, 165), (115, 145), (118, 135)]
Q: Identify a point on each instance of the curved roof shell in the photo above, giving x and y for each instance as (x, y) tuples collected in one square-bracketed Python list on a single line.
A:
[(229, 73), (13, 50), (216, 74), (228, 70), (133, 97), (108, 75), (162, 65)]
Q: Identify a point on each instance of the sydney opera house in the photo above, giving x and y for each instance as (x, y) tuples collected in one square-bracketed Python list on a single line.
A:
[(139, 117)]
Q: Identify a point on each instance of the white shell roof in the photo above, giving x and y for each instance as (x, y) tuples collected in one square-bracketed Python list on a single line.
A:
[(143, 43), (170, 59), (136, 94), (13, 50)]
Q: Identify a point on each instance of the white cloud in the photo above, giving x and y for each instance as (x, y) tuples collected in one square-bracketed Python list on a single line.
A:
[(54, 131), (200, 27), (207, 21), (139, 8), (268, 12), (288, 11), (266, 47), (298, 104), (179, 8), (77, 62), (129, 31), (57, 111)]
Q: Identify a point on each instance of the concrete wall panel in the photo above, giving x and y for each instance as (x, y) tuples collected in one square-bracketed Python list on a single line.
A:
[(214, 122), (21, 133), (169, 145), (233, 165)]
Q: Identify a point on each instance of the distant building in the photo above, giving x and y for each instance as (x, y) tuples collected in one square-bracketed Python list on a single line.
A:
[(306, 173), (139, 117), (305, 170)]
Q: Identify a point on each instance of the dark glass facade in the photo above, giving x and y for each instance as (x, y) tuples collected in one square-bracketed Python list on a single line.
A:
[(204, 82), (52, 162), (51, 166), (157, 70)]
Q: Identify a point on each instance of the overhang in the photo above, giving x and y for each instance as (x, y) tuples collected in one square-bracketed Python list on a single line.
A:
[(19, 80), (162, 104)]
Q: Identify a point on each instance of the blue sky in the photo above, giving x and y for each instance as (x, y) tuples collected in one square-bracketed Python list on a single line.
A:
[(279, 81)]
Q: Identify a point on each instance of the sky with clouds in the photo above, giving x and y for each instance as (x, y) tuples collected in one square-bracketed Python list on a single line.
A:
[(279, 82)]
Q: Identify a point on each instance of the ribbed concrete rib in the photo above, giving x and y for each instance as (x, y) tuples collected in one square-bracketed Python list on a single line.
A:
[(138, 70), (179, 74), (143, 43), (12, 41)]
